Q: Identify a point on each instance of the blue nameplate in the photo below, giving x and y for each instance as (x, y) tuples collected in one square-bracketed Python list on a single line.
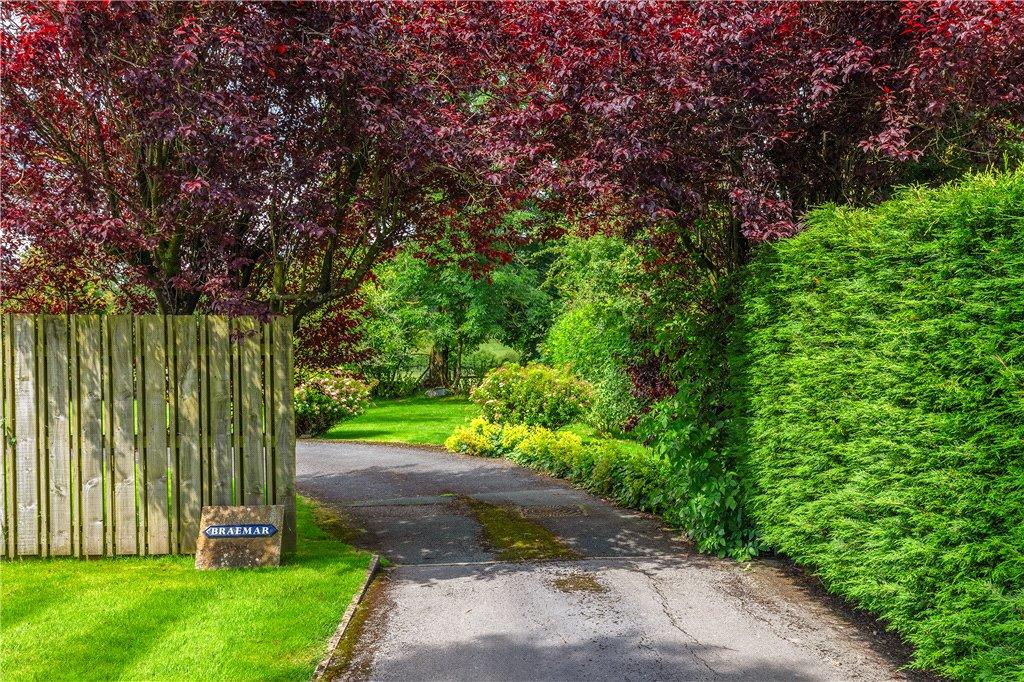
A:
[(240, 531)]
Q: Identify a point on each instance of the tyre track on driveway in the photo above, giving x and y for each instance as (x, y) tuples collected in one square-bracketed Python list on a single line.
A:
[(639, 603)]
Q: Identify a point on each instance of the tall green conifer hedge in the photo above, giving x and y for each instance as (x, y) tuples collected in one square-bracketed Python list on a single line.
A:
[(876, 403)]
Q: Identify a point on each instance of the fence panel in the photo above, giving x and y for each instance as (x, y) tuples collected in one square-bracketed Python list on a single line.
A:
[(122, 430), (117, 429), (218, 368), (26, 460), (154, 439), (187, 445)]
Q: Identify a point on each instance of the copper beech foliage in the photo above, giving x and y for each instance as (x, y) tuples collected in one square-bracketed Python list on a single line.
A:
[(247, 157), (236, 157), (721, 123)]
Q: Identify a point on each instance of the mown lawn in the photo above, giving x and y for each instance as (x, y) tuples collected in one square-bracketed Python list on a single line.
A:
[(418, 420), (160, 619)]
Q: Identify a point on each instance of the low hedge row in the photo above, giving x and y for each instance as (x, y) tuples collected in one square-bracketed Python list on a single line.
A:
[(634, 478)]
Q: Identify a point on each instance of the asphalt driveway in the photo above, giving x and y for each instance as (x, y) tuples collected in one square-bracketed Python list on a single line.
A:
[(635, 604)]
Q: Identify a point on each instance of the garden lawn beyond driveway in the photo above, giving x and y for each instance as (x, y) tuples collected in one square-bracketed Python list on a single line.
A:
[(160, 619), (419, 420)]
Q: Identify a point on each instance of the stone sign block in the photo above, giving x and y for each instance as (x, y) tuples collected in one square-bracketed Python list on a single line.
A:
[(239, 537)]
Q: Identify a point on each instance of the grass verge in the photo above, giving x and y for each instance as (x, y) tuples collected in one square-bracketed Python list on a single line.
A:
[(418, 420), (160, 619)]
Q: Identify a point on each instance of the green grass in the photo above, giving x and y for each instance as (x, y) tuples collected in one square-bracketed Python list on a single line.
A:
[(160, 619), (418, 420), (591, 436)]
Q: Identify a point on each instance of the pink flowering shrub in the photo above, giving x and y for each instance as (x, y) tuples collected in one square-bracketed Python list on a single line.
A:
[(324, 398)]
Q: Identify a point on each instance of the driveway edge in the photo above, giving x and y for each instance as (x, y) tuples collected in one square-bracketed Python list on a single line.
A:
[(346, 618)]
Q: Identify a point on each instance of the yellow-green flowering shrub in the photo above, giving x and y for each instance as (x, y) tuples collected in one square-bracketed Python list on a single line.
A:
[(536, 395), (481, 439), (635, 478)]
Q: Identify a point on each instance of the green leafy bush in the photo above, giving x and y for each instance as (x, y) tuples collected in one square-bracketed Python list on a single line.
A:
[(324, 398), (689, 430), (535, 395), (592, 341), (877, 399), (633, 477), (599, 282)]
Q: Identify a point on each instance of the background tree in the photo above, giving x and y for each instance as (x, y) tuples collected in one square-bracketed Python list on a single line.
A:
[(446, 311), (235, 157), (719, 124), (601, 289)]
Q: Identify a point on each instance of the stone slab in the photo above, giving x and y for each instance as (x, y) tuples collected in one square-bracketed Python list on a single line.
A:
[(239, 537)]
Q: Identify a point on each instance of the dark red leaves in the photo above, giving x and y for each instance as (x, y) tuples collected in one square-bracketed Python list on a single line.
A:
[(193, 152)]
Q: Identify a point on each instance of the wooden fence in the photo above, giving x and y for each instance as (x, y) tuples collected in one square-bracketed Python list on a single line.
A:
[(118, 429)]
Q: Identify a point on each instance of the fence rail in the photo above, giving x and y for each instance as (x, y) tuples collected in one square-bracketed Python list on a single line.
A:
[(118, 429)]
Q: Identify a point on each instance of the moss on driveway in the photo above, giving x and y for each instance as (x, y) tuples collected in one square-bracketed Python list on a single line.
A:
[(513, 537)]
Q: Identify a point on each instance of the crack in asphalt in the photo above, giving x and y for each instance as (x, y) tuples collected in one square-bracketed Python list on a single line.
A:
[(663, 602)]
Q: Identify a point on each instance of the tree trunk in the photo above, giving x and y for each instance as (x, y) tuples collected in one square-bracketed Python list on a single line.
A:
[(438, 370)]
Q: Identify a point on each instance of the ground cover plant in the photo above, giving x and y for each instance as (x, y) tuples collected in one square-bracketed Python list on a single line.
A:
[(160, 619), (417, 420), (877, 399)]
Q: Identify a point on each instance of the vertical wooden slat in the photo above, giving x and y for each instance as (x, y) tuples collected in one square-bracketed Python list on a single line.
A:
[(284, 426), (237, 460), (6, 434), (42, 463), (219, 396), (26, 482), (172, 432), (251, 377), (122, 438), (189, 481), (267, 387), (204, 410), (76, 462), (58, 435), (154, 427), (138, 354), (108, 438), (89, 427)]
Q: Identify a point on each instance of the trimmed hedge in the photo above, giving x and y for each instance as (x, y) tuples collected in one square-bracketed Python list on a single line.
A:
[(632, 477), (877, 399)]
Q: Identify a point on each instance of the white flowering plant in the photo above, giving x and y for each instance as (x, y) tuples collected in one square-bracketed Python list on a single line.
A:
[(324, 398)]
